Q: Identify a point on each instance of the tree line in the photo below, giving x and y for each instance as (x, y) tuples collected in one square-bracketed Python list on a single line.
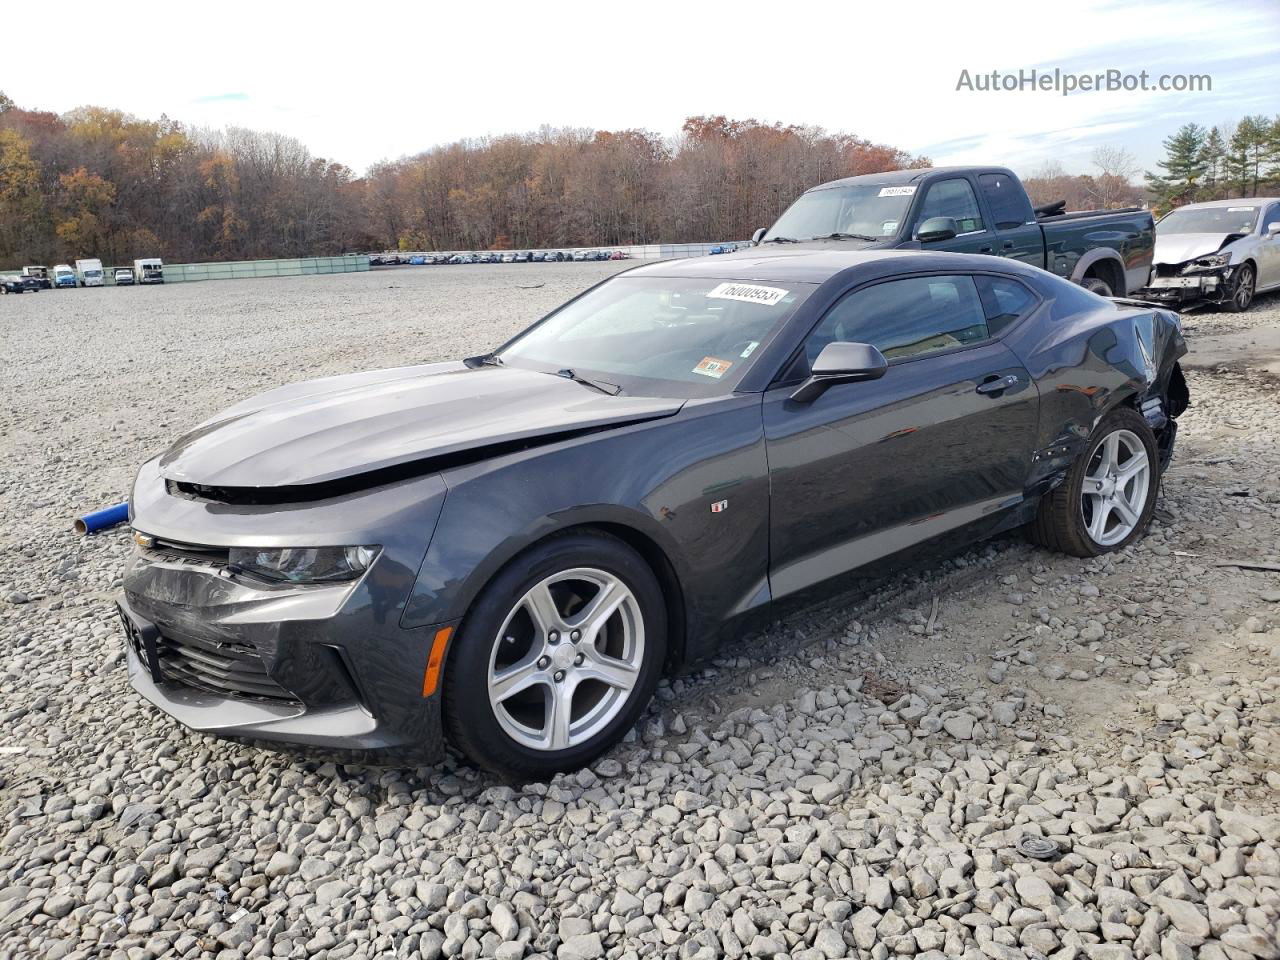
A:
[(1235, 159), (98, 182)]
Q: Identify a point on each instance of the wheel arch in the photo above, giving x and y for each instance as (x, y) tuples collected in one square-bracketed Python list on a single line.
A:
[(1104, 264)]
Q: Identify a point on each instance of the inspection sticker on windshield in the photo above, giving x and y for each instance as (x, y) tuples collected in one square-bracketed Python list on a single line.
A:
[(713, 367), (897, 191), (749, 292)]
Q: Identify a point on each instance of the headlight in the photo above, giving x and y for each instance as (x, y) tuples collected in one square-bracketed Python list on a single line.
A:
[(302, 564), (1214, 262)]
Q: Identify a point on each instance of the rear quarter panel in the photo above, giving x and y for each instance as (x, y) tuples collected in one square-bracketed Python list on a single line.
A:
[(1087, 355), (1130, 235)]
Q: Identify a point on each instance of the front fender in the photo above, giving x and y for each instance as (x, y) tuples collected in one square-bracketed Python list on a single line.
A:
[(657, 480)]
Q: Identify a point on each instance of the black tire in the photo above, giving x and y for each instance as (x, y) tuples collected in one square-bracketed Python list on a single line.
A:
[(1243, 290), (1060, 524), (470, 721), (1096, 285)]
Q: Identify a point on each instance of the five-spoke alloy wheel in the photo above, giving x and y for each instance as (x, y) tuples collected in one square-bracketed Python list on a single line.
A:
[(1115, 488), (1109, 494), (566, 659), (557, 657)]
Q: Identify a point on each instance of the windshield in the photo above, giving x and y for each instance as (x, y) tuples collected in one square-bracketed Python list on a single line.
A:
[(1210, 220), (864, 209), (660, 336)]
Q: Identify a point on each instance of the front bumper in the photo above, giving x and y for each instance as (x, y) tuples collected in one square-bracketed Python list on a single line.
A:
[(1180, 290), (326, 666)]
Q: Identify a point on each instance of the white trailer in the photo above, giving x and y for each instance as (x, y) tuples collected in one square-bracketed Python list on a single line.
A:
[(89, 273), (148, 270)]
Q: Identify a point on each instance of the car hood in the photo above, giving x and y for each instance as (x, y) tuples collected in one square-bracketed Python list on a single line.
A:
[(1181, 247), (337, 427)]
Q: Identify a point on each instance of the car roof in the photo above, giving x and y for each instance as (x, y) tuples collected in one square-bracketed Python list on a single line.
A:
[(1237, 202), (817, 266), (911, 175)]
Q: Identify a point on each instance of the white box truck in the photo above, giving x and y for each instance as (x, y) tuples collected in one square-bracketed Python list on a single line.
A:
[(89, 272), (148, 270)]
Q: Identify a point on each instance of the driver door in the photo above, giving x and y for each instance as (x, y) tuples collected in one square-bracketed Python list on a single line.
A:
[(942, 440)]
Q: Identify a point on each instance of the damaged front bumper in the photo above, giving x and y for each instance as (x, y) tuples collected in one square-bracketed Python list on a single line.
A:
[(323, 665), (1185, 289)]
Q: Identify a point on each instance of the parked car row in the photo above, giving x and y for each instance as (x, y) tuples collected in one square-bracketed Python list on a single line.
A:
[(495, 256), (86, 273)]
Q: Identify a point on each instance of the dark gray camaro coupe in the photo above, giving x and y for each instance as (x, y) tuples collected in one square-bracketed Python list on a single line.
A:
[(508, 550)]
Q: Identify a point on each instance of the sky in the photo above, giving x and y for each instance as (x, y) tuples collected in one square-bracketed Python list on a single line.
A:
[(360, 83)]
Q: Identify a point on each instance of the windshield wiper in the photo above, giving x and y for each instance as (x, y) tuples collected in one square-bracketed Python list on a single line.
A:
[(612, 389), (845, 236), (781, 240), (492, 359)]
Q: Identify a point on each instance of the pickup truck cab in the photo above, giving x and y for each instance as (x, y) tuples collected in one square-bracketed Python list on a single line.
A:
[(40, 275), (972, 210)]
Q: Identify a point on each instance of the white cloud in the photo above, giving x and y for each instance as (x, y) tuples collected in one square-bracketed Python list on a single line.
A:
[(359, 84)]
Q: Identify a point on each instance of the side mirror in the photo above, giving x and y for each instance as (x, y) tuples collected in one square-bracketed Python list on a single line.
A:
[(1273, 229), (757, 237), (937, 228), (841, 363)]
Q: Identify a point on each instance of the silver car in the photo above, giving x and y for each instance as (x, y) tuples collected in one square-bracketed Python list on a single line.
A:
[(1222, 251)]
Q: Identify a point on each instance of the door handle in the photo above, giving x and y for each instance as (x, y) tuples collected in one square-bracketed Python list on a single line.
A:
[(984, 249), (998, 385), (1008, 244)]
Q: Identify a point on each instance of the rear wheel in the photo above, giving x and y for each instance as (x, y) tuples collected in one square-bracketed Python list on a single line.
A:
[(561, 653), (1109, 494), (1096, 285), (1242, 294)]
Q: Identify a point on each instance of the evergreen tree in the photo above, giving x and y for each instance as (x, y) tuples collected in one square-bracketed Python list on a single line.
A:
[(1183, 166), (1257, 145), (1213, 154)]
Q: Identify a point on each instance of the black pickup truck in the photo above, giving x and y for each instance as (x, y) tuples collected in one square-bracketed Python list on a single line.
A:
[(973, 210)]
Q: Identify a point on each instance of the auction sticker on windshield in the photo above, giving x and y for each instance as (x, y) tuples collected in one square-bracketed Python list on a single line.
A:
[(748, 292), (713, 367), (897, 191)]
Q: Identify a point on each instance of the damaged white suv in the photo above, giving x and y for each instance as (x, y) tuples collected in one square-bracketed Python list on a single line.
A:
[(1222, 252)]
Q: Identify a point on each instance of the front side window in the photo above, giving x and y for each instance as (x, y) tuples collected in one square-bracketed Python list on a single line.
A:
[(1273, 216), (952, 198), (905, 318), (661, 336), (1006, 200)]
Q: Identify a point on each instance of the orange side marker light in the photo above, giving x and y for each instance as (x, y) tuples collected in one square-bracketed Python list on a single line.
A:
[(435, 661)]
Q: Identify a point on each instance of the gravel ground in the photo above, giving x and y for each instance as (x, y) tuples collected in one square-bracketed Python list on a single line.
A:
[(854, 783)]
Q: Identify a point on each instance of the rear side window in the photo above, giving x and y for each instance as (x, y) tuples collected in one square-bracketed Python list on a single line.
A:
[(904, 318), (952, 198), (1006, 199), (1005, 301)]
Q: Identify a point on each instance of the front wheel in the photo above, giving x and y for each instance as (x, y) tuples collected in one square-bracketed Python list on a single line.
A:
[(1109, 494), (1242, 294), (560, 654)]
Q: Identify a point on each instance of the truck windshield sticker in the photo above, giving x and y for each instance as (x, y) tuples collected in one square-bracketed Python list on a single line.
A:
[(713, 367), (897, 191), (748, 293), (1241, 209)]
